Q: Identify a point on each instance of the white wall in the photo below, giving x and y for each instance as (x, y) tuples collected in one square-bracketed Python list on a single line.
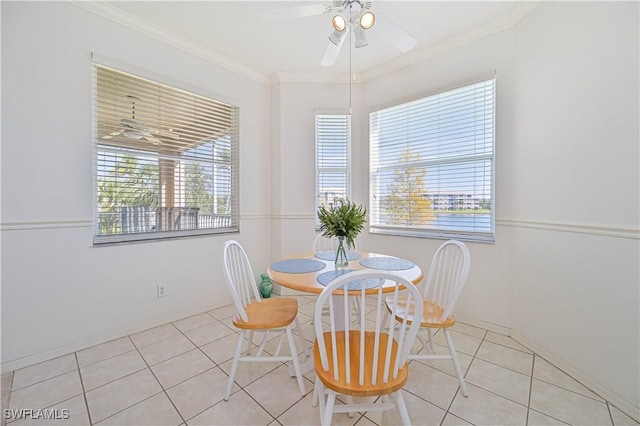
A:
[(576, 254), (58, 292), (294, 159)]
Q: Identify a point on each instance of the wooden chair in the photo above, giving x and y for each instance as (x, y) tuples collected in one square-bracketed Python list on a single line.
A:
[(445, 280), (322, 243), (365, 358), (254, 314)]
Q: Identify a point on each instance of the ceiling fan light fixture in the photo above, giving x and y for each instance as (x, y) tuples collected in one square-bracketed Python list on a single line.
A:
[(367, 20), (361, 38), (339, 23), (336, 37)]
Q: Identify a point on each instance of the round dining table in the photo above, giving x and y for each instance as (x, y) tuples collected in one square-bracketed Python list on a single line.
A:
[(311, 272)]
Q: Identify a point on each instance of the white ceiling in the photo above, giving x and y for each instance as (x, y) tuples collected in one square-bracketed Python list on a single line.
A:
[(234, 34)]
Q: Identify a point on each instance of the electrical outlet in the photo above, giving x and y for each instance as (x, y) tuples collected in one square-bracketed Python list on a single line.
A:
[(162, 291)]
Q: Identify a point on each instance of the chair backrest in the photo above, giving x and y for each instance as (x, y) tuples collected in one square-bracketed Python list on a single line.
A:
[(239, 277), (447, 275), (389, 345), (322, 243)]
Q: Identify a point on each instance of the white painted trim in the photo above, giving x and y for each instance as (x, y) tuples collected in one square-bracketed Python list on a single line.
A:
[(608, 395), (301, 77), (607, 231), (294, 217), (27, 361), (30, 225), (496, 328), (255, 217), (135, 23)]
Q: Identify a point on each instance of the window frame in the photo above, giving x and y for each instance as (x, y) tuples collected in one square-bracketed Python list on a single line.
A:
[(319, 170), (179, 173), (435, 233)]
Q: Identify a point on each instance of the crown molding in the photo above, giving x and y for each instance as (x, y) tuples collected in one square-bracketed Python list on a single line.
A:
[(494, 26), (133, 22), (318, 77), (137, 24)]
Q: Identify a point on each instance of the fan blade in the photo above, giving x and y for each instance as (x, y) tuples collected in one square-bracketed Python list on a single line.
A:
[(148, 136), (331, 54), (294, 12), (111, 135), (396, 35)]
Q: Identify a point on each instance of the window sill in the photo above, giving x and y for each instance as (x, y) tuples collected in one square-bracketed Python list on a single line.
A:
[(487, 238), (149, 237)]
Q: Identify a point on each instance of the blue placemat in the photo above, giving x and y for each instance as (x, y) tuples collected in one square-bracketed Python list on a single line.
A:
[(387, 263), (326, 277), (331, 255), (298, 266)]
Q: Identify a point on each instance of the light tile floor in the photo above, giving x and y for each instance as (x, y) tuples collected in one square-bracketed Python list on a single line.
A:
[(176, 374)]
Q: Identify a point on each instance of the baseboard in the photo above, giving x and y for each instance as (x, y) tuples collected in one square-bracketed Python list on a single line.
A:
[(622, 404), (27, 361), (506, 331)]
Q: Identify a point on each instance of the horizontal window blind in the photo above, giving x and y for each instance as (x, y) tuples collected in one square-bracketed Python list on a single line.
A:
[(333, 140), (166, 160), (432, 165)]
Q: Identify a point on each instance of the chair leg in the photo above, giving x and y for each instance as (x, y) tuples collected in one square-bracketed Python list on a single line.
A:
[(430, 331), (303, 342), (456, 363), (296, 363), (250, 342), (402, 408), (319, 391), (350, 402), (317, 386), (328, 410), (385, 319), (234, 365)]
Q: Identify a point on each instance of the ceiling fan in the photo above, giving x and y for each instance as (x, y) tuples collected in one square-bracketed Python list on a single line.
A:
[(353, 15), (132, 128)]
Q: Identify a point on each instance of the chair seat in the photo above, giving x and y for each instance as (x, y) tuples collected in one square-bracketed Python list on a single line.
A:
[(354, 388), (269, 313), (431, 313)]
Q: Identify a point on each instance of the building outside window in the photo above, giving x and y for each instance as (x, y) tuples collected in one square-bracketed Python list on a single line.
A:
[(166, 161), (432, 165)]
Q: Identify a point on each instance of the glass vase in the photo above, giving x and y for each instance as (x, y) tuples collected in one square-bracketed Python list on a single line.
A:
[(341, 262)]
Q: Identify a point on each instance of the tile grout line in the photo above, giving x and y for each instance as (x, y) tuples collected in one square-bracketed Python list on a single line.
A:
[(43, 380), (84, 394), (10, 393), (160, 384), (128, 375), (533, 367)]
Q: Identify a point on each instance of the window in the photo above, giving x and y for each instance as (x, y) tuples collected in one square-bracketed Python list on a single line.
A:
[(166, 161), (333, 159), (431, 166)]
